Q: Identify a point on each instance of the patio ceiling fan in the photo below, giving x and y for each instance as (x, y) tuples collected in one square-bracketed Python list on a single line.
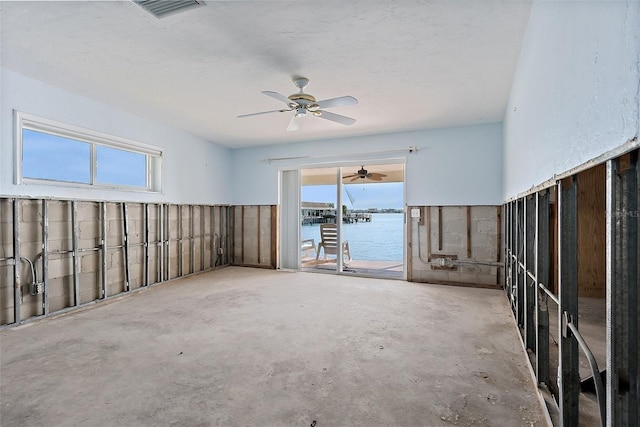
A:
[(304, 103), (364, 174)]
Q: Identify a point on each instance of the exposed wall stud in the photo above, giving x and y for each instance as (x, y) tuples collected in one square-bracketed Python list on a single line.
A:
[(125, 238), (230, 219), (274, 236), (180, 242), (468, 217), (507, 247), (17, 291), (146, 244), (439, 228), (212, 237), (73, 223), (409, 248), (568, 295), (76, 257), (513, 288), (202, 237), (499, 231), (623, 298), (242, 260), (192, 241), (428, 219), (166, 238), (259, 235), (160, 245), (103, 248), (45, 257), (542, 276), (529, 284), (519, 289)]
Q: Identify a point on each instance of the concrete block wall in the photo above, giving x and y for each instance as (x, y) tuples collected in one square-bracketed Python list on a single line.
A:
[(6, 270), (193, 230), (254, 235), (184, 239), (466, 239), (175, 240)]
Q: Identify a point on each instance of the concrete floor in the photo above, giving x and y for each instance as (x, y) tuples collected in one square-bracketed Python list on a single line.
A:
[(242, 346)]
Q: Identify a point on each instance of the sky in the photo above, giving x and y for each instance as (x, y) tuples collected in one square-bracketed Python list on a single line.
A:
[(384, 195), (47, 156)]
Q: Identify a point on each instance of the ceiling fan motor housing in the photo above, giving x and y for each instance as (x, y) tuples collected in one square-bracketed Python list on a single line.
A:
[(304, 97)]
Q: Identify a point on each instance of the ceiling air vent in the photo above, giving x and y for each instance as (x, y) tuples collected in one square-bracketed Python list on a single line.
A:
[(162, 8)]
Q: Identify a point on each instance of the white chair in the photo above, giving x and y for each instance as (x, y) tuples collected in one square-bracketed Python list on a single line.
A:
[(329, 243), (308, 245)]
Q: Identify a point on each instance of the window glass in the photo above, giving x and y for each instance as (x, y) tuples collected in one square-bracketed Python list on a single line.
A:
[(120, 167), (51, 151), (52, 157)]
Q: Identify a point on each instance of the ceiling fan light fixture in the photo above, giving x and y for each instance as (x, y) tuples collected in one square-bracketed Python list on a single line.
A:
[(302, 103)]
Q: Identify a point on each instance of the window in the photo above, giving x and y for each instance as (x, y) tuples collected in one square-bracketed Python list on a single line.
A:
[(59, 153)]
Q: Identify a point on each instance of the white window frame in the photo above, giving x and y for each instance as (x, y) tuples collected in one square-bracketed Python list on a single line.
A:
[(154, 155)]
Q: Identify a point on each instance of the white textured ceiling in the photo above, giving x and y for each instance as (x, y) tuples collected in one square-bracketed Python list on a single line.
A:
[(412, 64)]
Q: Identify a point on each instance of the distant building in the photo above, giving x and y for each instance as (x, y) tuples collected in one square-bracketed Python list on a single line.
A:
[(317, 212)]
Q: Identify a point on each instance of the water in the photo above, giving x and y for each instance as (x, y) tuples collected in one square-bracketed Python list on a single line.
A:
[(378, 240)]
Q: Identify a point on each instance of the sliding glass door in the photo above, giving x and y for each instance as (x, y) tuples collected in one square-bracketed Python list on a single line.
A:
[(352, 220), (320, 219)]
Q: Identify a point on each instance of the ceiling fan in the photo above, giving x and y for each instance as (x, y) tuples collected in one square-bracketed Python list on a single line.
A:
[(363, 173), (303, 103)]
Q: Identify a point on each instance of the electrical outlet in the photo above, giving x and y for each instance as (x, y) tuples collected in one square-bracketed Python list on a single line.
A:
[(443, 262), (36, 288)]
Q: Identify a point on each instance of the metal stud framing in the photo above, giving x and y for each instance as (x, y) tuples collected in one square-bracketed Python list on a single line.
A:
[(146, 244), (520, 274), (202, 237), (542, 276), (45, 258), (103, 248), (568, 296), (219, 226), (528, 283), (16, 262), (125, 238), (76, 258), (180, 243), (212, 237), (527, 250), (166, 238), (623, 284), (192, 241)]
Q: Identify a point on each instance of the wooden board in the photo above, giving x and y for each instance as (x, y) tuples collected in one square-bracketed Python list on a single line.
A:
[(592, 233)]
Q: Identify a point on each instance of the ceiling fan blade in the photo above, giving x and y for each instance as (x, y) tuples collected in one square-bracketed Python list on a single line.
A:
[(342, 101), (350, 176), (343, 120), (375, 178), (381, 175), (357, 177), (263, 112), (294, 124), (277, 96)]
